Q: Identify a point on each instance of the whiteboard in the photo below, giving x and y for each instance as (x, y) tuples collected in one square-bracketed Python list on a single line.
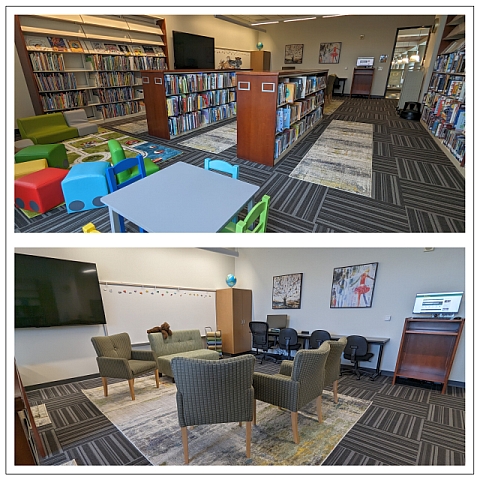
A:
[(226, 54), (136, 309)]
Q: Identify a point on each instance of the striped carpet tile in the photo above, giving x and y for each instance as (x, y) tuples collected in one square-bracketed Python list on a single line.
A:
[(431, 173)]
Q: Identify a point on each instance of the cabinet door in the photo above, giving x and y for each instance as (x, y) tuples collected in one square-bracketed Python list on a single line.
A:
[(242, 314)]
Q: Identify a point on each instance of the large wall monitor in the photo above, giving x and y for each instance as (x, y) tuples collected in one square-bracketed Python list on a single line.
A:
[(437, 304), (277, 322), (365, 62)]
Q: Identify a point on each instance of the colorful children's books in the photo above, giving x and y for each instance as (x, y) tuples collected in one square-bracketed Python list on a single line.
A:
[(112, 48), (137, 49), (37, 43), (58, 44), (75, 46), (290, 89)]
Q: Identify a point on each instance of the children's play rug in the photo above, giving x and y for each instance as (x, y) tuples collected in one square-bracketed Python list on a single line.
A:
[(214, 141), (94, 148), (151, 424), (341, 158)]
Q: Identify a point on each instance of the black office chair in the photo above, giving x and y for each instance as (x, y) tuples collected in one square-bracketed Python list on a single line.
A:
[(317, 338), (260, 340), (356, 351), (288, 340)]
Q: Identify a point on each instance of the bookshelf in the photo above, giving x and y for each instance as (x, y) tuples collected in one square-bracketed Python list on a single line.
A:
[(178, 102), (275, 110), (428, 348), (443, 112), (71, 62)]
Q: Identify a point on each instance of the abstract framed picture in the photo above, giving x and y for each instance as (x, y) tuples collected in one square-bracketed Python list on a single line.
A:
[(287, 291), (352, 287), (330, 52), (293, 53)]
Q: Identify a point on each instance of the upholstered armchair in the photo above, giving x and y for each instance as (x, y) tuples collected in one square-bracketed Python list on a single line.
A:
[(212, 391), (116, 359), (332, 366), (299, 382)]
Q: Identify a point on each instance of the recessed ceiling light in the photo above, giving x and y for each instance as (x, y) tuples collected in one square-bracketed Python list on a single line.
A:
[(300, 19), (263, 23)]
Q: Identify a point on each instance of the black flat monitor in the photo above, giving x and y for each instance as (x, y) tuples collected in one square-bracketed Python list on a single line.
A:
[(444, 304), (365, 62), (192, 51), (277, 322)]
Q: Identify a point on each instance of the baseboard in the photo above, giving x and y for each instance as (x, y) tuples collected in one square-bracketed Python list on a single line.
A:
[(61, 382)]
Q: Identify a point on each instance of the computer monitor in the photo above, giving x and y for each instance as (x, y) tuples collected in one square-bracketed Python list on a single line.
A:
[(277, 322), (365, 61), (444, 304)]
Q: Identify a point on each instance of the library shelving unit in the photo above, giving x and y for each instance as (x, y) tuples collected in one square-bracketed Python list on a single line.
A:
[(94, 63), (275, 110), (443, 110), (180, 101), (428, 348)]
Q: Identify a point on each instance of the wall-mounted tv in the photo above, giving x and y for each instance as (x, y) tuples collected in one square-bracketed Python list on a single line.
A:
[(277, 322), (366, 62), (193, 51), (50, 292), (437, 304)]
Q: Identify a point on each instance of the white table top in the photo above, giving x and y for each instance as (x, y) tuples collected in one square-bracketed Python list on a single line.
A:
[(181, 198)]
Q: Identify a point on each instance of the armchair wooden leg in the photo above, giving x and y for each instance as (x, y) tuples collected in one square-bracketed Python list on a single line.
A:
[(132, 391), (335, 391), (248, 438), (157, 378), (105, 386), (295, 426), (319, 409), (185, 444)]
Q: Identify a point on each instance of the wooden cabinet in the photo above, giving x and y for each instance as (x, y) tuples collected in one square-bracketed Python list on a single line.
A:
[(428, 348), (260, 61), (362, 81), (234, 313), (179, 101), (264, 98)]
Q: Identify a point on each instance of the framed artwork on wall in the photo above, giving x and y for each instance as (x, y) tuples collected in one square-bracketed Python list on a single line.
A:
[(287, 291), (330, 52), (293, 53), (352, 287)]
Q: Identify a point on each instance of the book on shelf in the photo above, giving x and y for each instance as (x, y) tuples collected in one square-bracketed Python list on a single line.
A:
[(148, 50), (279, 126), (137, 49), (158, 50), (97, 47), (290, 90), (460, 119), (286, 117), (37, 43), (111, 48), (58, 44), (75, 46), (124, 48)]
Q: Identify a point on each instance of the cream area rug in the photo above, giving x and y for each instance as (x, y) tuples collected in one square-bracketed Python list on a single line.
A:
[(341, 158), (329, 108), (214, 141), (151, 424)]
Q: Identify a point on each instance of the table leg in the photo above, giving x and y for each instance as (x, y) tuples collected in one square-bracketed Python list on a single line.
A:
[(114, 221), (379, 359)]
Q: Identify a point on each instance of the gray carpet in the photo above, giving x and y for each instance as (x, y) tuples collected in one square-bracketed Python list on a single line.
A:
[(415, 187), (409, 423)]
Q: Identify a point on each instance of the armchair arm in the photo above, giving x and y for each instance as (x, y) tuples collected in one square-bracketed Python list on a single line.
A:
[(114, 367), (143, 355), (277, 390), (286, 368)]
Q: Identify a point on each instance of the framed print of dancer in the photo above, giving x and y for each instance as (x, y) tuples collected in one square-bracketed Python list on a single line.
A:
[(330, 52), (352, 287)]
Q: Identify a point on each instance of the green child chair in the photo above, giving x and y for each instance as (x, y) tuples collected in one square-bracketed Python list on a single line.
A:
[(118, 154), (258, 214)]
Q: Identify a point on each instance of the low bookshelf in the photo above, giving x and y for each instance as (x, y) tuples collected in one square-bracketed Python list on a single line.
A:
[(275, 110)]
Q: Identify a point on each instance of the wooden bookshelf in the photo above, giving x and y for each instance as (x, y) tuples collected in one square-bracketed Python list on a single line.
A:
[(428, 348), (181, 101), (90, 67), (261, 97)]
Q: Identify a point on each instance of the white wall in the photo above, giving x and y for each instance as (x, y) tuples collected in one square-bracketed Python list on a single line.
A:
[(50, 354), (402, 272)]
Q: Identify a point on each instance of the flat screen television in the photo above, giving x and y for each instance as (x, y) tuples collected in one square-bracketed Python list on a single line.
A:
[(277, 322), (444, 304), (193, 51), (365, 62), (50, 292)]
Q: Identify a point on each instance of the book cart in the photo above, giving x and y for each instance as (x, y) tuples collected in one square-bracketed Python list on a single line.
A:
[(275, 110), (214, 340)]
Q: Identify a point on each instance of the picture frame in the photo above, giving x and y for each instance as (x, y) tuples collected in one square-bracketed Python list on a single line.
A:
[(353, 286), (287, 291), (329, 52), (293, 53)]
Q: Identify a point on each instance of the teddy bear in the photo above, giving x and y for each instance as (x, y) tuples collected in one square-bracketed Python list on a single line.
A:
[(164, 328)]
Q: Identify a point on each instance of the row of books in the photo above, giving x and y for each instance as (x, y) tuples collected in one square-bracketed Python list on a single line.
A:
[(64, 100), (114, 110), (455, 142), (293, 112), (114, 95), (451, 63), (115, 62), (112, 79), (179, 104), (447, 108), (47, 61), (292, 134), (55, 81), (59, 44), (291, 89), (193, 120), (197, 82), (214, 340), (448, 84)]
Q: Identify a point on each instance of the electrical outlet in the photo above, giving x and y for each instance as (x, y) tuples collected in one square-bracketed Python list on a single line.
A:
[(380, 68), (388, 318)]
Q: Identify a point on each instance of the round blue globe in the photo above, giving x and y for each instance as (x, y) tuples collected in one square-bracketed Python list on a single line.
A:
[(231, 280), (259, 45)]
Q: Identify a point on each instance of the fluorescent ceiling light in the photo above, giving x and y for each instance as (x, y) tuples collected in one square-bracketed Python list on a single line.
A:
[(263, 23), (300, 19), (330, 16)]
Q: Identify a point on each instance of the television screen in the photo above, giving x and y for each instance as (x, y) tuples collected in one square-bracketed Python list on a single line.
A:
[(437, 303), (193, 51), (277, 322), (365, 61), (50, 292)]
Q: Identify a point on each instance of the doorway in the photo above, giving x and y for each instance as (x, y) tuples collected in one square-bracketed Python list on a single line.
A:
[(408, 54)]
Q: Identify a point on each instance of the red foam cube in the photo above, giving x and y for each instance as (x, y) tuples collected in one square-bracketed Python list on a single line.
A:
[(40, 191)]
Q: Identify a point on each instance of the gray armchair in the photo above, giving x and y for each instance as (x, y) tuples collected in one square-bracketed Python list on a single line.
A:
[(116, 359), (332, 366), (210, 392), (299, 382)]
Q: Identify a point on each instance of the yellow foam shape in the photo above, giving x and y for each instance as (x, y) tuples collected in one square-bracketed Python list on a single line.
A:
[(89, 228), (24, 168)]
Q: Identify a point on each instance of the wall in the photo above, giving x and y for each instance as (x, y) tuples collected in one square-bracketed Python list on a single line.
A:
[(50, 354), (402, 272), (380, 34)]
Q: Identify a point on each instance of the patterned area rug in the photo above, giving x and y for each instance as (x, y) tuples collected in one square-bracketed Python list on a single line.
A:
[(341, 158), (332, 106), (140, 126), (214, 141), (151, 424)]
